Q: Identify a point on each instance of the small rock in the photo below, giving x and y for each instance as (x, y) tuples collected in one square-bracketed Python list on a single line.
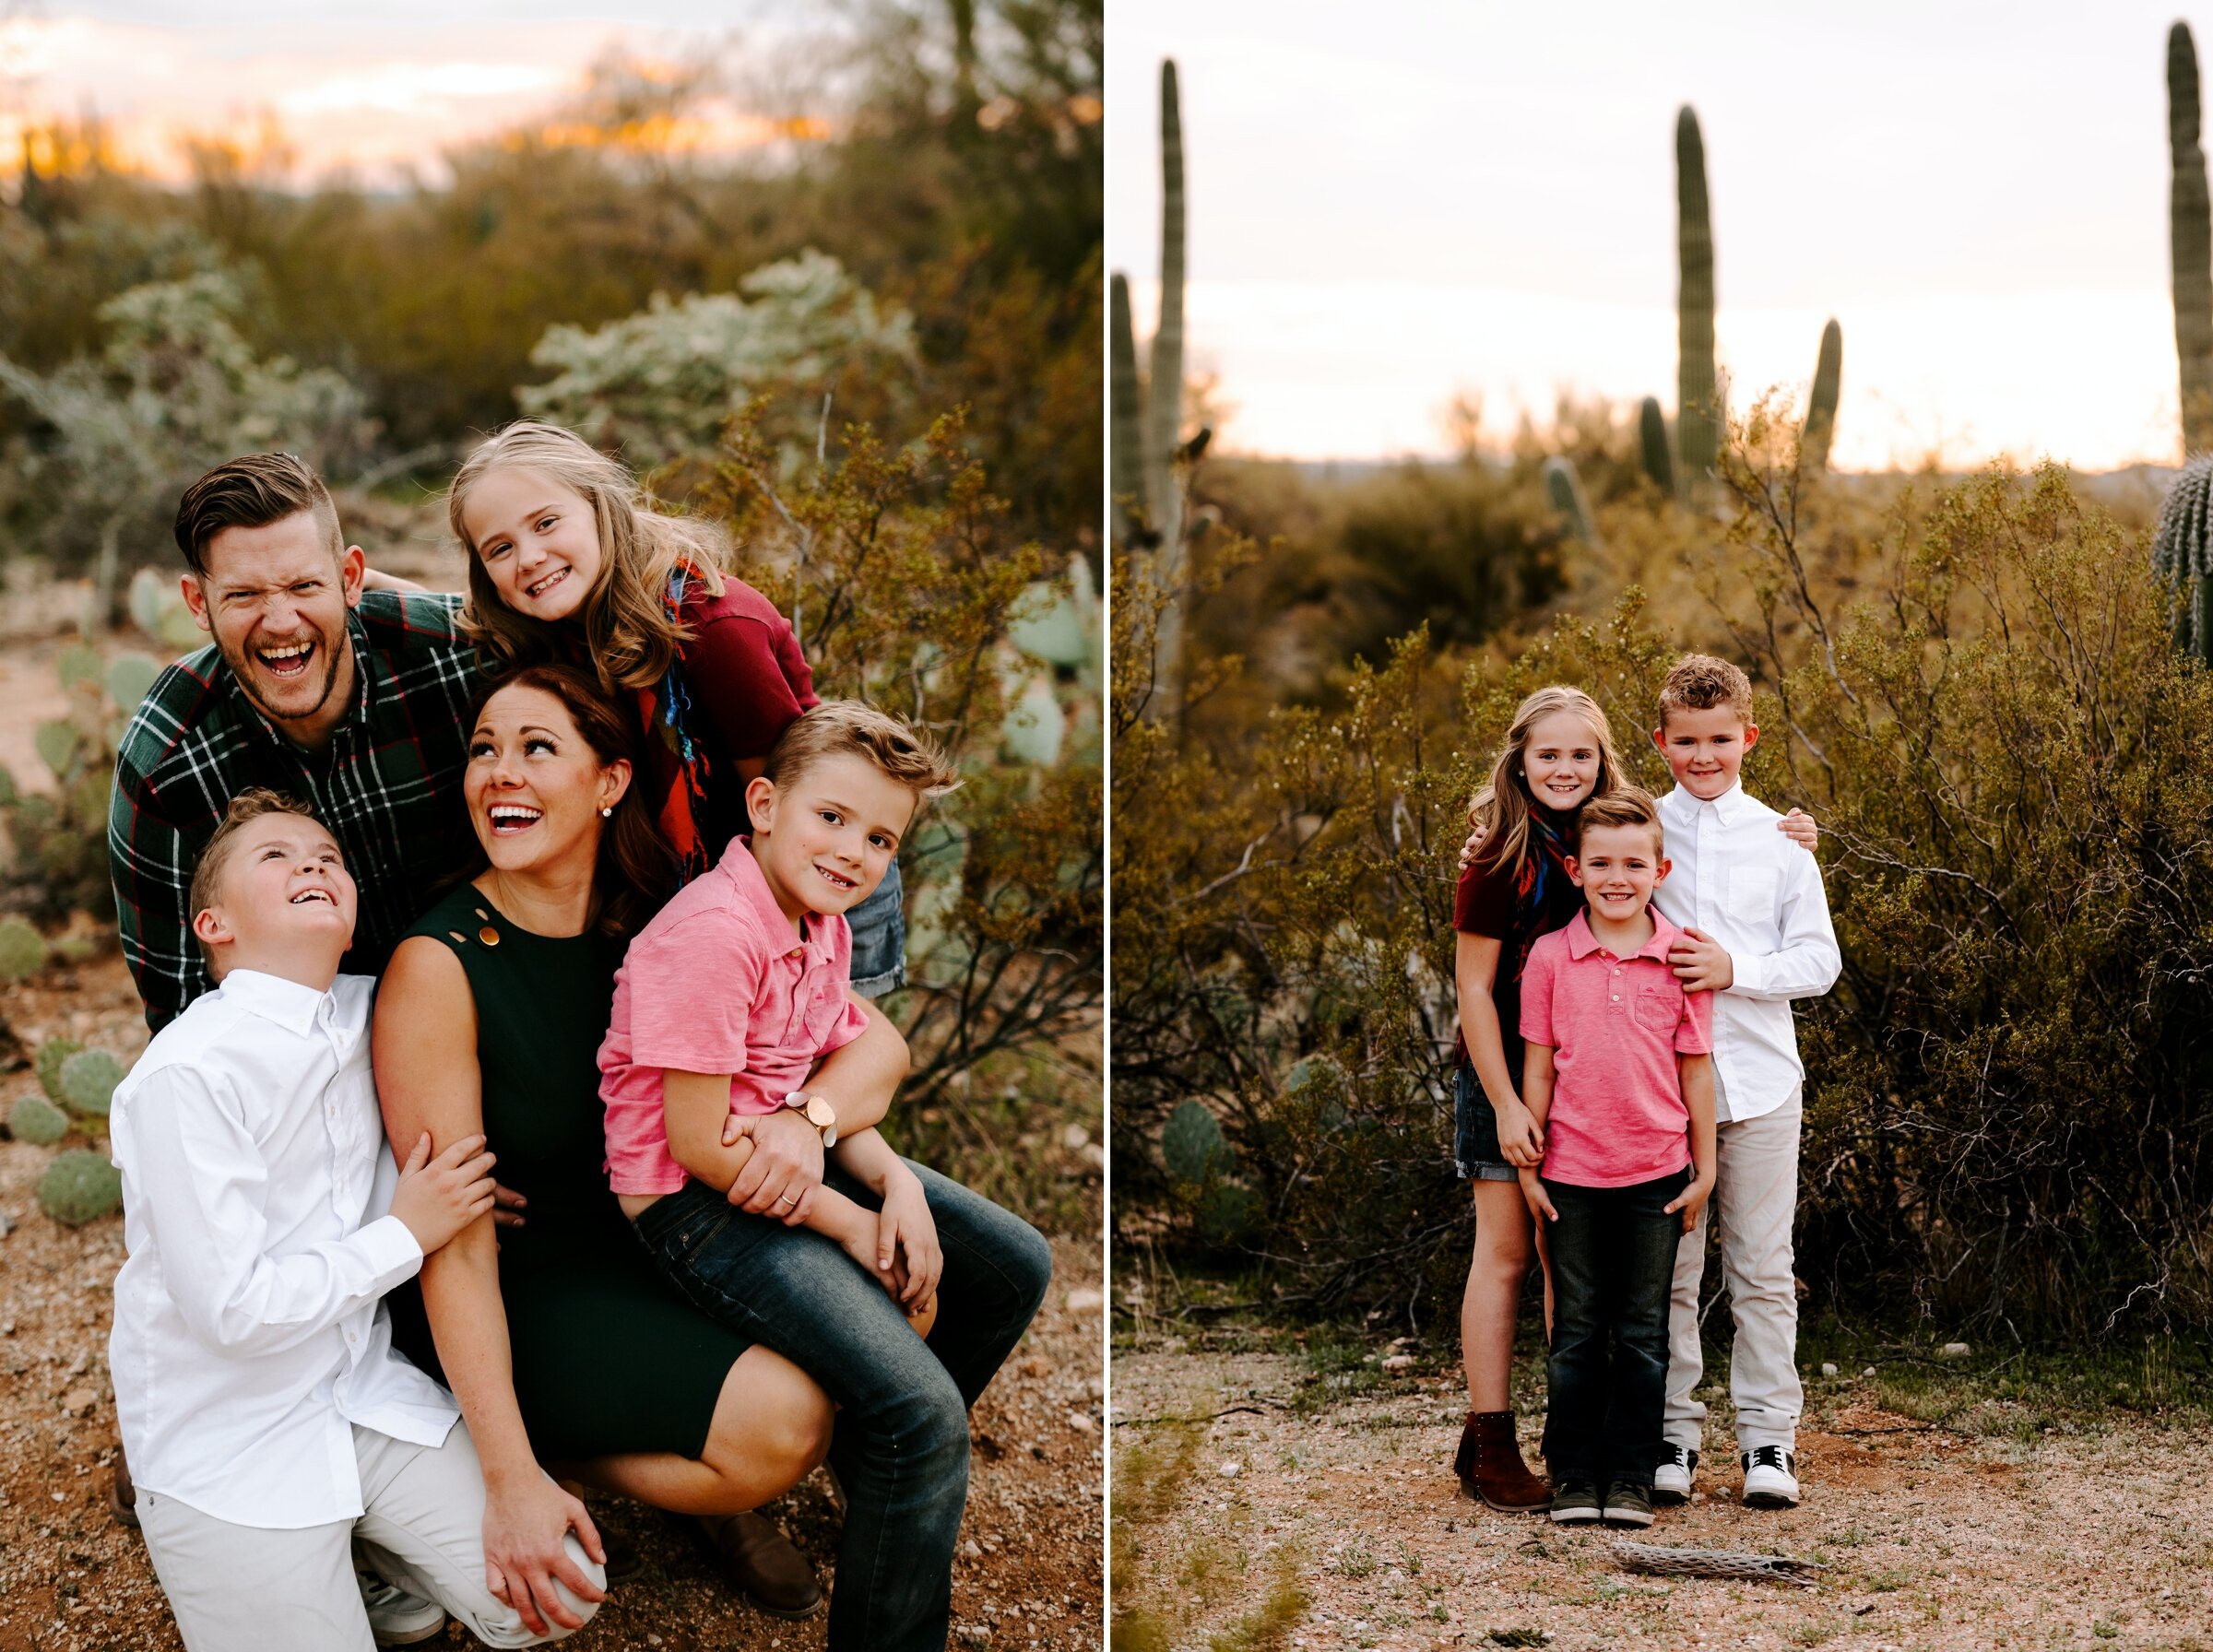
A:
[(1075, 1138), (1399, 1361), (76, 1366), (1828, 1368), (1953, 1350), (975, 1634), (969, 1550), (79, 1402), (1230, 1469), (1698, 1497), (1086, 1301), (1869, 1372)]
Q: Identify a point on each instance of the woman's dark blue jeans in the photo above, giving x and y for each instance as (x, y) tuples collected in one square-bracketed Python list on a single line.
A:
[(901, 1443), (1613, 1263)]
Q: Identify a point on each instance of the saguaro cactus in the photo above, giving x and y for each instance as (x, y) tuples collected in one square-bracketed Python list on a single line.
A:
[(2181, 554), (2190, 236), (1126, 435), (1821, 408), (1697, 388), (1567, 491), (1651, 436), (1163, 424)]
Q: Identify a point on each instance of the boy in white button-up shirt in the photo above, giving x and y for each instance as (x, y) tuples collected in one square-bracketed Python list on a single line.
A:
[(1758, 932), (271, 1429)]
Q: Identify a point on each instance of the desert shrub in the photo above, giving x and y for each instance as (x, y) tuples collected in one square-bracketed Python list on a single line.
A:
[(893, 564), (2016, 772)]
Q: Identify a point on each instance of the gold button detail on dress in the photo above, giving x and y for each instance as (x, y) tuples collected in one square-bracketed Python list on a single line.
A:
[(489, 936)]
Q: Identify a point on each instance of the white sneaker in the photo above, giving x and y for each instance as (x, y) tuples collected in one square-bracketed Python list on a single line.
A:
[(398, 1617), (1770, 1476), (1672, 1477)]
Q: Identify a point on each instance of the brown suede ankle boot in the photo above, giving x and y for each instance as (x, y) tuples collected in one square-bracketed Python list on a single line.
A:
[(1490, 1467)]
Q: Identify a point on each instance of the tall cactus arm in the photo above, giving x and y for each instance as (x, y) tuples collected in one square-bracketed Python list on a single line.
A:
[(1125, 430), (2191, 241), (1165, 382), (1697, 392), (1658, 450), (1821, 408)]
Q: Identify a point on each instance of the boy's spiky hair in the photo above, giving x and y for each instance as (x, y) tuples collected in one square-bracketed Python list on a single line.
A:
[(1699, 682), (1630, 805), (853, 726), (208, 871)]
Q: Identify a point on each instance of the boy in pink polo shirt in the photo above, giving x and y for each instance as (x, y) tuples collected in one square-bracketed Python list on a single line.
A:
[(723, 1004), (1619, 1077)]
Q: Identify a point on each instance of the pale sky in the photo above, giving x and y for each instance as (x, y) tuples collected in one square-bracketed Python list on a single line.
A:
[(1393, 204), (373, 88)]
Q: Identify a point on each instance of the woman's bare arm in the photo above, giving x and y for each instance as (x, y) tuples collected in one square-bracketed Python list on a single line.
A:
[(1475, 971), (424, 1044)]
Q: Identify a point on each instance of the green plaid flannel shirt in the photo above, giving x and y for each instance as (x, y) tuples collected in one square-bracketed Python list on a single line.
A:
[(388, 787)]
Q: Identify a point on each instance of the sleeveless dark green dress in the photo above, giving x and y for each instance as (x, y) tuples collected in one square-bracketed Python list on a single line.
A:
[(608, 1356)]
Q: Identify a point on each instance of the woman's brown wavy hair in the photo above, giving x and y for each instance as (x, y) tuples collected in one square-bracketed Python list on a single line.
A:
[(634, 871), (628, 634), (1503, 807)]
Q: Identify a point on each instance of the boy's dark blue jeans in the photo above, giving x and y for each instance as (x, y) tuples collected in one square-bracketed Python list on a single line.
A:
[(901, 1442), (1613, 1262)]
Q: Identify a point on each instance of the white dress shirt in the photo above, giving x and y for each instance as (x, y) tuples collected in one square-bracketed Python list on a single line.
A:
[(249, 1331), (1738, 878)]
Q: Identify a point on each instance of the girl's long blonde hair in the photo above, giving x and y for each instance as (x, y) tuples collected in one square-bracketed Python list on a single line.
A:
[(628, 633), (1503, 806)]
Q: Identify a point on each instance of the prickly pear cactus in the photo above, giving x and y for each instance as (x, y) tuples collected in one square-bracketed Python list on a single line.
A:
[(52, 1055), (89, 1081), (79, 1187), (1821, 407), (158, 609), (1191, 1144), (22, 949), (129, 678), (2181, 554), (1658, 450), (37, 1120), (1698, 385), (1566, 490)]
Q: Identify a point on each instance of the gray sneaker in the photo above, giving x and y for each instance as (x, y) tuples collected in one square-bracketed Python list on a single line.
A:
[(1575, 1503), (1628, 1503), (1672, 1476), (398, 1617)]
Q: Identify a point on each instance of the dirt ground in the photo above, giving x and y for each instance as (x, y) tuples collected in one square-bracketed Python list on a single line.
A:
[(1031, 1572), (2092, 1537), (71, 1580)]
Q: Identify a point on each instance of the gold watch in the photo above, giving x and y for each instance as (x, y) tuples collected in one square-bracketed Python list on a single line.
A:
[(816, 1110)]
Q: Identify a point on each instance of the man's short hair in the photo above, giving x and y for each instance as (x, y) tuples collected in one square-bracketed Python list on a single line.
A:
[(252, 492), (838, 727), (208, 871), (1699, 682), (1630, 805)]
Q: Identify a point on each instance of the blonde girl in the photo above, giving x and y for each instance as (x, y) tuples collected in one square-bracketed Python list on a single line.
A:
[(569, 562), (1558, 754)]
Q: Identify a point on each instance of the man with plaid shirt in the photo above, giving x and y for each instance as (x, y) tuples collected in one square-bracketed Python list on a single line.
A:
[(355, 702)]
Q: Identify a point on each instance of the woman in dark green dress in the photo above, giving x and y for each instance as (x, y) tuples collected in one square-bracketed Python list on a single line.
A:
[(559, 1341)]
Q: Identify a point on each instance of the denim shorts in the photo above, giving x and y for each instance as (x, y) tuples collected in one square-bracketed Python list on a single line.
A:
[(1476, 1131), (879, 925)]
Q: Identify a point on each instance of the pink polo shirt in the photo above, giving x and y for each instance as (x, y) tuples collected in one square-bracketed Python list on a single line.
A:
[(1616, 1026), (719, 981)]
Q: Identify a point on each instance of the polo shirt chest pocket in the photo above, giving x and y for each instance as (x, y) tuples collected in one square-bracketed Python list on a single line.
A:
[(1752, 893), (825, 1001), (1659, 1008)]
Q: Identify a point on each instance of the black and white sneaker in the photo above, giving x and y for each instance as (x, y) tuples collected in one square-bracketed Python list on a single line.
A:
[(1672, 1476), (1770, 1476)]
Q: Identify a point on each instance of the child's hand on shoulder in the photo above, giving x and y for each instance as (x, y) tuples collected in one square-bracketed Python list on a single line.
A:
[(1798, 826), (1692, 1200), (1535, 1196), (906, 1242), (437, 1197), (1701, 963)]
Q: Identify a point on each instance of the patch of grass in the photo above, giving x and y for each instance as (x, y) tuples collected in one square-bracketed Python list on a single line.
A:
[(1268, 1627), (1356, 1559)]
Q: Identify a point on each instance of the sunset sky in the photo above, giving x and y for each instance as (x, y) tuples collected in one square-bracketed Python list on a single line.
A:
[(373, 88), (1397, 203)]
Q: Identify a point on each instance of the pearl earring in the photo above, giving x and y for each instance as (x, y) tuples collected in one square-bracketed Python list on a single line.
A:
[(606, 809)]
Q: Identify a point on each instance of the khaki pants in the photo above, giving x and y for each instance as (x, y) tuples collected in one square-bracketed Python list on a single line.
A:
[(248, 1588), (1755, 1198)]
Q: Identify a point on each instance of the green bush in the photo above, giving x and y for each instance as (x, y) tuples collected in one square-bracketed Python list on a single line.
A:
[(2014, 772)]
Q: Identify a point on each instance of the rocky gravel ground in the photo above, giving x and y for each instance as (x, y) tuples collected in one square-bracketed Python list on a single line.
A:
[(71, 1580), (2089, 1535)]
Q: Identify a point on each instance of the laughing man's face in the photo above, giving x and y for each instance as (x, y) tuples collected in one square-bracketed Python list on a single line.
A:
[(274, 598)]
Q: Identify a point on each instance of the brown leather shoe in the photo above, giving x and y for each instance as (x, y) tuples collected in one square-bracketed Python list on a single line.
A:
[(122, 1496), (765, 1563), (1490, 1467)]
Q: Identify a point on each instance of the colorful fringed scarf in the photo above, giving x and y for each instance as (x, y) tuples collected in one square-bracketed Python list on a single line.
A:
[(666, 711)]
